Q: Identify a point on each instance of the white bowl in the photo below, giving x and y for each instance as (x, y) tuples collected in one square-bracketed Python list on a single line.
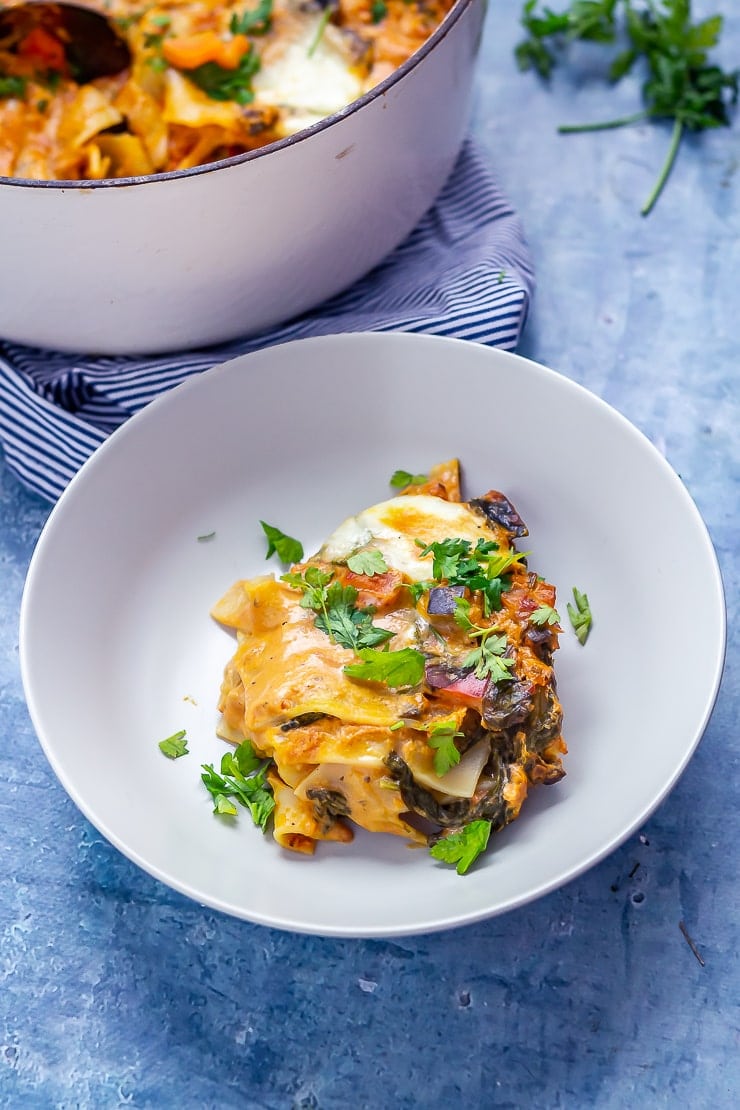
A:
[(118, 650)]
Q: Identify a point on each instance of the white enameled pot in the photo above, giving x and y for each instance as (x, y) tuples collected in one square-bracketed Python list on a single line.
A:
[(183, 259)]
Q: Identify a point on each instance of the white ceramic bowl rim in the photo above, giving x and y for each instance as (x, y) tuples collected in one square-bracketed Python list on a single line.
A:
[(451, 18)]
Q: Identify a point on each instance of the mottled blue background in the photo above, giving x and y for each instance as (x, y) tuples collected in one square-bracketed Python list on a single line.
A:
[(118, 992)]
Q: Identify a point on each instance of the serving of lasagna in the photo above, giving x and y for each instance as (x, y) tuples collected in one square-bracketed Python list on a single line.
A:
[(401, 678), (206, 80)]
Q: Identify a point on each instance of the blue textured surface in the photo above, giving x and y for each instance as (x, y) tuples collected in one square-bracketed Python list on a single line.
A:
[(117, 992)]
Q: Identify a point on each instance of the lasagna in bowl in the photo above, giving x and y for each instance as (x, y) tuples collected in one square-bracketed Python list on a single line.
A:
[(401, 679), (206, 81)]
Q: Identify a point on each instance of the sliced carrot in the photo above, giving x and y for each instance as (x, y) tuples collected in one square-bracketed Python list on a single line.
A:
[(190, 51)]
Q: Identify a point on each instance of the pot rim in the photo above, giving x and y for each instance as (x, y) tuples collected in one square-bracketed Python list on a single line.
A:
[(379, 90)]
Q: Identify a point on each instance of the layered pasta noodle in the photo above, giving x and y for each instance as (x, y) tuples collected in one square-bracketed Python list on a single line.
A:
[(400, 679), (207, 80)]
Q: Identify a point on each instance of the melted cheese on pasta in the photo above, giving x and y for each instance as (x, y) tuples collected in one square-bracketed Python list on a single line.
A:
[(347, 751), (207, 80)]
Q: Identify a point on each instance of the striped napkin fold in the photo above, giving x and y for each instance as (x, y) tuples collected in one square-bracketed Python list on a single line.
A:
[(465, 271)]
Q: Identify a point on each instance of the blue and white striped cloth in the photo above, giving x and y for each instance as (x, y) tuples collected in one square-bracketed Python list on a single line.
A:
[(465, 271)]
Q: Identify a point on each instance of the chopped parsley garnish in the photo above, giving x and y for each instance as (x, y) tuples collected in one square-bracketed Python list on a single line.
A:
[(378, 10), (174, 746), (325, 17), (401, 479), (367, 562), (227, 84), (483, 567), (242, 778), (580, 615), (254, 22), (285, 547), (545, 615), (397, 669), (416, 589), (204, 537), (464, 846), (446, 754), (336, 612), (488, 659)]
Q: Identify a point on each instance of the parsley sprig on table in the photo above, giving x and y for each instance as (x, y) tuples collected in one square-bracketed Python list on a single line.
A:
[(681, 84)]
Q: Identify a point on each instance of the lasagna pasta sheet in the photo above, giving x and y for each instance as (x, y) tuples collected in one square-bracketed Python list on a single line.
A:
[(400, 679), (207, 80)]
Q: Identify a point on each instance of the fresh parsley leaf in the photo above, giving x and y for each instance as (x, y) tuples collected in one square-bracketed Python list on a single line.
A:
[(313, 582), (580, 615), (347, 625), (464, 846), (488, 659), (12, 86), (223, 84), (397, 669), (378, 10), (367, 562), (337, 613), (401, 479), (446, 556), (254, 22), (416, 589), (545, 614), (242, 778), (174, 746), (287, 549), (243, 759), (224, 806), (446, 754)]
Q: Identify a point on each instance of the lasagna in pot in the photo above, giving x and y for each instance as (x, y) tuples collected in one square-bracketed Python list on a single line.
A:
[(206, 81), (401, 679)]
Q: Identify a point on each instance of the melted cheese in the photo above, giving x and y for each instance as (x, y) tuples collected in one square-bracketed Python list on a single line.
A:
[(308, 77), (336, 741), (393, 528)]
